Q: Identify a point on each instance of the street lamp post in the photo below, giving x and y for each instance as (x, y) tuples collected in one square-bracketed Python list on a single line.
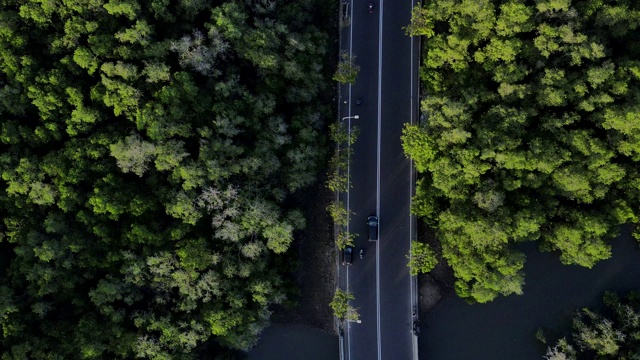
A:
[(351, 117), (356, 117), (349, 124)]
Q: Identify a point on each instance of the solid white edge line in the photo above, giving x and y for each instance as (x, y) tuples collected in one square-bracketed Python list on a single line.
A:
[(379, 340), (349, 173), (414, 340)]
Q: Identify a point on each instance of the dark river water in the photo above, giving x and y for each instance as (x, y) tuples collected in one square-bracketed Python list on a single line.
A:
[(501, 330), (293, 343), (505, 329)]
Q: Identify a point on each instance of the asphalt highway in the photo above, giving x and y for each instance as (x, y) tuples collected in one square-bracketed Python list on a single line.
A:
[(382, 180)]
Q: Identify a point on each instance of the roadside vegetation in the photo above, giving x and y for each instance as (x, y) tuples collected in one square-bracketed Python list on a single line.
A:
[(342, 137), (338, 174), (532, 132), (341, 308), (338, 180), (149, 152), (610, 335), (422, 258), (347, 70)]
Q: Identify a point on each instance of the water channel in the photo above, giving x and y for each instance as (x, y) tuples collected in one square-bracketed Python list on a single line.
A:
[(505, 329), (295, 342)]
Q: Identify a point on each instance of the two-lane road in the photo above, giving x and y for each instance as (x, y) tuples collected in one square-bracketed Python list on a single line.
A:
[(362, 339), (382, 180)]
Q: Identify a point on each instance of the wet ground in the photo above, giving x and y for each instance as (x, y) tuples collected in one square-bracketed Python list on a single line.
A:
[(307, 330)]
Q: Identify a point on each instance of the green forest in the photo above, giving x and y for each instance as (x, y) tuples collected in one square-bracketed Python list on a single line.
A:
[(612, 334), (151, 156), (532, 132)]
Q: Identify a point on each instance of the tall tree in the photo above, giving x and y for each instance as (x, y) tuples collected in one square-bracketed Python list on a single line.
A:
[(530, 132), (149, 154)]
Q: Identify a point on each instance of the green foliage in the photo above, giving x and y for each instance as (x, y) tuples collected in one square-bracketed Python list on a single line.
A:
[(422, 258), (540, 336), (600, 336), (150, 157), (338, 177), (530, 133), (195, 53), (341, 308), (345, 238), (86, 59), (339, 213), (347, 70), (133, 154), (561, 351), (420, 22), (417, 146), (611, 334)]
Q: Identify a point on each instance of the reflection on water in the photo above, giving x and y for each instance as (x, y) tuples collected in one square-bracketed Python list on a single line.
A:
[(295, 342), (505, 329)]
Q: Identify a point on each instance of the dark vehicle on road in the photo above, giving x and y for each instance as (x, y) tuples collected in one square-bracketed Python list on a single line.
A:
[(372, 222), (347, 255)]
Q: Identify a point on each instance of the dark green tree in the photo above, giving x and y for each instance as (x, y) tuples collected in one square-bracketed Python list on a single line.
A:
[(530, 133), (608, 334), (149, 156)]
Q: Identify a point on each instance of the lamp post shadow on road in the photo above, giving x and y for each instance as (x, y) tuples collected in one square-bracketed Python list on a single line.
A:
[(352, 316), (357, 321)]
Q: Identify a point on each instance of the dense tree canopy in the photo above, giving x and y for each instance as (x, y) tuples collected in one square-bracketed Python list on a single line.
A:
[(532, 132), (147, 151)]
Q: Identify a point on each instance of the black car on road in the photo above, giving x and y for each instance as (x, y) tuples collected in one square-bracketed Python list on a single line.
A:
[(372, 222), (347, 255)]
